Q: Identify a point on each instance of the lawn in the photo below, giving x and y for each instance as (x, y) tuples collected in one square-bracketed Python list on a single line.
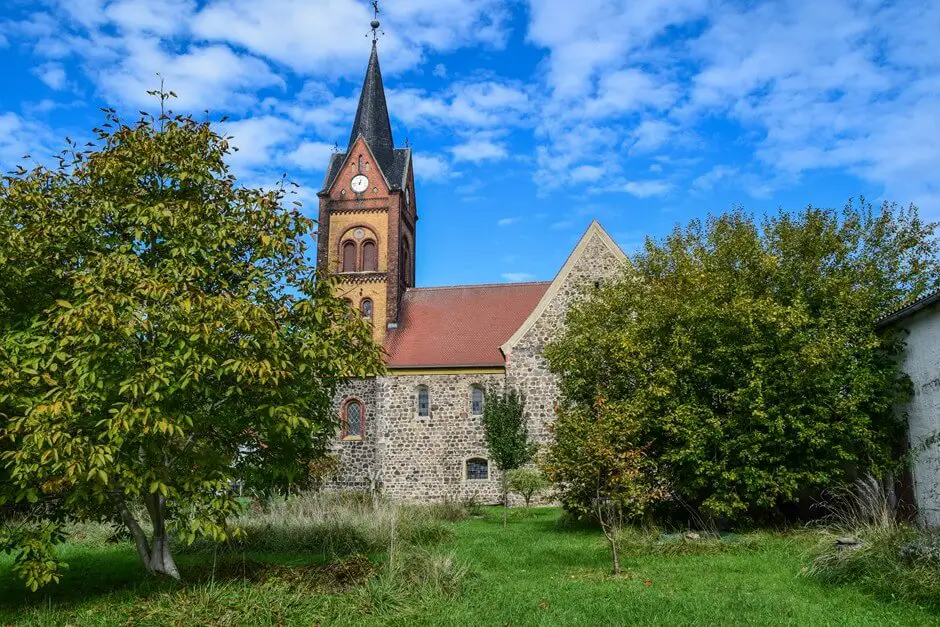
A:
[(533, 573)]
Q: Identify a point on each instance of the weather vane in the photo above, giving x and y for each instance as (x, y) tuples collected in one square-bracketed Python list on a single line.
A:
[(375, 22)]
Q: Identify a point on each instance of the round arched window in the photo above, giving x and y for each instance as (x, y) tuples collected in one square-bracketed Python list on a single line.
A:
[(366, 308), (349, 256)]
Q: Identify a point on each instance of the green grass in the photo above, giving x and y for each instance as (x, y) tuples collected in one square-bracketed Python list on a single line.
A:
[(533, 573)]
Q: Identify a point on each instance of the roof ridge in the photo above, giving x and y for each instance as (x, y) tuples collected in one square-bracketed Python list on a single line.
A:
[(472, 285)]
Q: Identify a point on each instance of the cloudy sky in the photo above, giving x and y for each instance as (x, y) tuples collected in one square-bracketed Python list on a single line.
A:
[(528, 119)]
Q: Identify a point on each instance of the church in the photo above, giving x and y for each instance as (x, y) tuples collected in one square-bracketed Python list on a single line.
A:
[(416, 433)]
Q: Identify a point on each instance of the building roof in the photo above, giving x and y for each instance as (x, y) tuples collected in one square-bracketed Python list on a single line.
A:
[(908, 310), (373, 124), (459, 326)]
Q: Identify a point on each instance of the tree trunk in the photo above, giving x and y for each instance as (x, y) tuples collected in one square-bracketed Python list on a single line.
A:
[(155, 556), (505, 500), (613, 553), (161, 560)]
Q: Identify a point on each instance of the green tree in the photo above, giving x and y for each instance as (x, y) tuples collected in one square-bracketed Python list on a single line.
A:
[(526, 482), (161, 329), (601, 469), (506, 434), (746, 353)]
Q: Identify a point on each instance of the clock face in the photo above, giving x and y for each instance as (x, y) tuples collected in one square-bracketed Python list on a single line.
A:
[(359, 183)]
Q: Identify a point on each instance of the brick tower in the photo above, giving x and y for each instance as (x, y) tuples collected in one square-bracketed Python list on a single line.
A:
[(368, 212)]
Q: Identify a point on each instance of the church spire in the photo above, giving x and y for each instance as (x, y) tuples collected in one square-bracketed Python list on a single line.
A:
[(372, 120)]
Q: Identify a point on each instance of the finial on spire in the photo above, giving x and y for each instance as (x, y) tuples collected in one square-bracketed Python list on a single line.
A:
[(375, 22)]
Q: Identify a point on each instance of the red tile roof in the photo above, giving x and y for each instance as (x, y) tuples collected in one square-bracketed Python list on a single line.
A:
[(463, 325)]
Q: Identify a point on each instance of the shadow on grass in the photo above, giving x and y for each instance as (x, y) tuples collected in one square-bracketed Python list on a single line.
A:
[(96, 572)]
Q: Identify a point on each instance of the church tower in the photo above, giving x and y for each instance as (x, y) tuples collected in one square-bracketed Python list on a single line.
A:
[(368, 212)]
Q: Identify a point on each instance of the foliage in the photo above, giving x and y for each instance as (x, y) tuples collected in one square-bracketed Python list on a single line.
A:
[(600, 471), (161, 334), (892, 560), (526, 482), (745, 353), (506, 434)]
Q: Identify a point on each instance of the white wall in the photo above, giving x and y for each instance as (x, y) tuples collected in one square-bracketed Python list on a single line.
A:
[(922, 364)]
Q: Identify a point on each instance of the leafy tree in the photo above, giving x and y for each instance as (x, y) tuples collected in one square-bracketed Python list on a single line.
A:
[(745, 352), (161, 329), (526, 482), (506, 434), (599, 468)]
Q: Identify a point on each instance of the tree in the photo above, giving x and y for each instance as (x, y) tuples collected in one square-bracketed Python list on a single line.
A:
[(746, 352), (526, 482), (600, 470), (161, 329), (506, 434)]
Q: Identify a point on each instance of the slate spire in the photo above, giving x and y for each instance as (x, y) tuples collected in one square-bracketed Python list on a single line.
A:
[(372, 120)]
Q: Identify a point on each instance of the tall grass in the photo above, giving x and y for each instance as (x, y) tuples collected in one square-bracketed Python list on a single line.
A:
[(889, 558), (331, 525)]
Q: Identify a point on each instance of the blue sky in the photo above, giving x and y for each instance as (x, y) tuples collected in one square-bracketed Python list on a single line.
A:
[(528, 119)]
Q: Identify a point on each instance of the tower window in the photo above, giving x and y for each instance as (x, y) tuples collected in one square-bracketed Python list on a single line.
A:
[(477, 469), (424, 402), (366, 308), (476, 400), (353, 420), (370, 262), (349, 257)]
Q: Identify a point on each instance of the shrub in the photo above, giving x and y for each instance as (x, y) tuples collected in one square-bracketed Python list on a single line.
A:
[(746, 354), (526, 482)]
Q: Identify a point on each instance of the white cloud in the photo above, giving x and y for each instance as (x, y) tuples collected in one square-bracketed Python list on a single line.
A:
[(481, 104), (478, 150), (587, 173), (20, 136), (644, 189), (516, 277), (431, 168), (325, 37), (52, 74), (164, 18), (707, 181), (506, 221), (257, 139), (440, 70), (311, 155)]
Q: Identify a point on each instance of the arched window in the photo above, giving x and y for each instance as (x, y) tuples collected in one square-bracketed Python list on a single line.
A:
[(349, 257), (477, 469), (354, 419), (366, 308), (360, 164), (370, 261), (476, 400), (424, 401), (405, 276)]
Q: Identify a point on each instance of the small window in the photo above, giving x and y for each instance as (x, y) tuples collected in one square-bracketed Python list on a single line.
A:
[(366, 308), (369, 258), (349, 257), (478, 469), (353, 419), (424, 401), (476, 401)]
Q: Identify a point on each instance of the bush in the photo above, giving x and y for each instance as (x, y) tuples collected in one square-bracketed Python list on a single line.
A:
[(743, 354), (526, 482)]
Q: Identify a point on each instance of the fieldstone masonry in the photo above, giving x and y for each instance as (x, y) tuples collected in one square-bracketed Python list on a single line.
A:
[(415, 458)]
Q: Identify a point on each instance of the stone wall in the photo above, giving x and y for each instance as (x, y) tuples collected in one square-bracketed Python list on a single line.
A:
[(922, 364), (358, 459), (423, 459), (527, 368)]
